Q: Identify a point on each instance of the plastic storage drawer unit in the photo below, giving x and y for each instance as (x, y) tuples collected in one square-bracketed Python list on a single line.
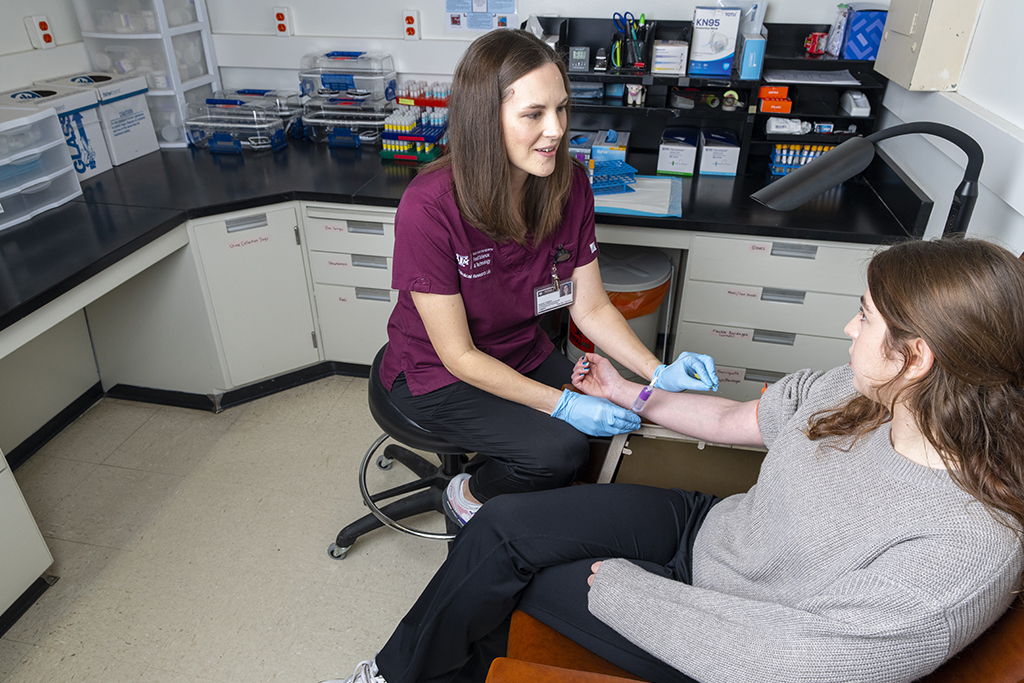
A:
[(360, 75), (231, 126), (136, 17)]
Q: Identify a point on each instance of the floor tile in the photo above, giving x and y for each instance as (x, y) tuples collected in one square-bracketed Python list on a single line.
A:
[(99, 432), (172, 441), (45, 481), (304, 405), (62, 666)]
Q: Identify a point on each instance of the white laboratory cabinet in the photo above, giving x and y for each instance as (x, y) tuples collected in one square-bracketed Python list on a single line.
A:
[(253, 268), (350, 259), (766, 307), (25, 556)]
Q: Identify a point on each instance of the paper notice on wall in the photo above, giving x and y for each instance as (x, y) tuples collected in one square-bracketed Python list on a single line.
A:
[(480, 15)]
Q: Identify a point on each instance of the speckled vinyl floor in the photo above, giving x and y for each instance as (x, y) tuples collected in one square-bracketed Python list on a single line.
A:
[(192, 547)]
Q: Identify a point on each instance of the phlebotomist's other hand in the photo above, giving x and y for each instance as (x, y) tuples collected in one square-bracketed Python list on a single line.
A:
[(693, 371), (594, 416)]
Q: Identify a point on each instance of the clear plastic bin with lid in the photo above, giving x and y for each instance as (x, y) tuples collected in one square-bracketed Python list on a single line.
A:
[(358, 75), (286, 104), (233, 126), (345, 122)]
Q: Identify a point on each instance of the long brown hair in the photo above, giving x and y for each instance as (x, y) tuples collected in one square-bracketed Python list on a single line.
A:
[(965, 299), (476, 144)]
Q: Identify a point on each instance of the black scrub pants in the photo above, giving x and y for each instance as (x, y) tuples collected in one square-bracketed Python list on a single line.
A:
[(526, 449), (534, 551)]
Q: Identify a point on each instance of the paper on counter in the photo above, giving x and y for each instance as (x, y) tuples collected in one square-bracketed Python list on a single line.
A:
[(652, 197), (843, 77)]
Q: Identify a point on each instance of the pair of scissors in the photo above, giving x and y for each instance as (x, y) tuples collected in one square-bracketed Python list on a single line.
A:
[(624, 22)]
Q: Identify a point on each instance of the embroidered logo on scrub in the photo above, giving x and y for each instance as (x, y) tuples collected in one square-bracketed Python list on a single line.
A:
[(478, 264)]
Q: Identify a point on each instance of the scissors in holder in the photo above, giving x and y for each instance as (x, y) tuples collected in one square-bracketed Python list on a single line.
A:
[(626, 23)]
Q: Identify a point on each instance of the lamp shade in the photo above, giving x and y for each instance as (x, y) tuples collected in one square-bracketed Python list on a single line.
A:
[(807, 182)]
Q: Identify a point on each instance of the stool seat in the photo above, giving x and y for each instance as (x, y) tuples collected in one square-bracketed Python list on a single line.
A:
[(412, 498)]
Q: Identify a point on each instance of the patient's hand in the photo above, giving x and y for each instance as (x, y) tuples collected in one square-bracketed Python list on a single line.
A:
[(593, 572), (595, 375)]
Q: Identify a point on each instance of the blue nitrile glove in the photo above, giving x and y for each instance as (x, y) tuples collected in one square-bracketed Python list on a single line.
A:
[(690, 371), (594, 416)]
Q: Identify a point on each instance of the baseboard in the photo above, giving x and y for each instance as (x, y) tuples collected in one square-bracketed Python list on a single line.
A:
[(23, 451), (26, 600), (240, 395)]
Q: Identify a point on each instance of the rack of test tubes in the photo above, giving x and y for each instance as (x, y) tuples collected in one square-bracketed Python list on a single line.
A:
[(788, 158), (418, 128), (611, 177)]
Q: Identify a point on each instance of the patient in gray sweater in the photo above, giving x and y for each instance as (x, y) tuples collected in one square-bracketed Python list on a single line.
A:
[(883, 534)]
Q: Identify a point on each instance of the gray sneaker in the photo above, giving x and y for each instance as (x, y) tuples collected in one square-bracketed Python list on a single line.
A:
[(366, 672)]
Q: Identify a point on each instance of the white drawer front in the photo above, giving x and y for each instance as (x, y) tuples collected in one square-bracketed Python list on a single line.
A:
[(357, 270), (779, 263), (768, 308), (354, 321), (349, 231), (747, 348)]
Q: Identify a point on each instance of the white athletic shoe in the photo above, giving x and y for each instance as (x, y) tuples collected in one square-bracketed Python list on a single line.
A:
[(455, 505), (366, 672)]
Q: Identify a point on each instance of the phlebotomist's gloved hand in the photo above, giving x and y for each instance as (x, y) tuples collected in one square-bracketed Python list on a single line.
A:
[(594, 416), (690, 371)]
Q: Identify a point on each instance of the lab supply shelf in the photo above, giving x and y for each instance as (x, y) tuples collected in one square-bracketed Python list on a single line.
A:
[(168, 41)]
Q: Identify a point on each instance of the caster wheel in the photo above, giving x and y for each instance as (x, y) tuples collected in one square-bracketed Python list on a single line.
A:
[(384, 462), (337, 553)]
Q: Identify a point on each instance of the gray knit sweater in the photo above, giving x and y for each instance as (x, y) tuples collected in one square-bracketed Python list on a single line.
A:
[(835, 566)]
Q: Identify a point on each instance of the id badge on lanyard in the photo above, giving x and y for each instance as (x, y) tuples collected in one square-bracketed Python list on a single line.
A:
[(557, 294)]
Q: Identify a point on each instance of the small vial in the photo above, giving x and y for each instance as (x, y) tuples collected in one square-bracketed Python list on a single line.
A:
[(641, 399)]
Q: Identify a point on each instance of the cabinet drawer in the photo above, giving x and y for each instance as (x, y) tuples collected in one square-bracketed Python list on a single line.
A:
[(768, 308), (333, 228), (354, 321), (747, 348), (356, 270), (779, 263)]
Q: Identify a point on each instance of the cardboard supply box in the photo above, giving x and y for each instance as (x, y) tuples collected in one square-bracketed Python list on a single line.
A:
[(864, 29), (677, 154), (610, 145), (124, 113), (751, 49), (776, 106), (713, 41), (580, 144), (670, 57), (719, 152), (78, 113)]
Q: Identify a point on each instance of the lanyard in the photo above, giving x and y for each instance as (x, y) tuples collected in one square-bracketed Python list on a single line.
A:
[(561, 255)]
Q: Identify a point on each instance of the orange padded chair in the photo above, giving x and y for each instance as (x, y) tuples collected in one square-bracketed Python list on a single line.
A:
[(539, 654)]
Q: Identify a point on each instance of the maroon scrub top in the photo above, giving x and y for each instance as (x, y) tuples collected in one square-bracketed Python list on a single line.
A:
[(437, 252)]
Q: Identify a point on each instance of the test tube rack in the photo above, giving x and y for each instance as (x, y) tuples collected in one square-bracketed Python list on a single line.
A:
[(787, 158), (611, 177)]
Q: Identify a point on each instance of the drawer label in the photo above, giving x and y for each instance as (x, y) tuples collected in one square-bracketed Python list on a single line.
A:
[(329, 227), (743, 293), (760, 248), (332, 262), (729, 375), (729, 333), (249, 241)]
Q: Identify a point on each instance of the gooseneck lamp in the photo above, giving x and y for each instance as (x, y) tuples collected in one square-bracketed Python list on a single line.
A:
[(853, 156)]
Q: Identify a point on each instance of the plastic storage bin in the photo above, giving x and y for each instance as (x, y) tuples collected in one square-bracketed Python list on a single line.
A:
[(344, 122), (132, 16), (166, 109), (231, 126), (285, 104), (360, 75)]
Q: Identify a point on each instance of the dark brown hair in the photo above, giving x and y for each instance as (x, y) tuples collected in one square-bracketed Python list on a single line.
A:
[(965, 299), (476, 144)]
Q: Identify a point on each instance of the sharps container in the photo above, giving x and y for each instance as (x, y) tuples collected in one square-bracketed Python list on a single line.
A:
[(637, 280)]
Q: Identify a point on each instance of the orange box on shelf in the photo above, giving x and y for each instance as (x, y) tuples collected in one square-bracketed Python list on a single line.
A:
[(773, 92), (776, 106)]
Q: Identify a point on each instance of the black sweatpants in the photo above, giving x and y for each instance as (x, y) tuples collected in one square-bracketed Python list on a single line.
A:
[(526, 449), (534, 551)]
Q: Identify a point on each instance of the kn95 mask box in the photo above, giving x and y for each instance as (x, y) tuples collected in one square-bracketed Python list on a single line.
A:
[(713, 42)]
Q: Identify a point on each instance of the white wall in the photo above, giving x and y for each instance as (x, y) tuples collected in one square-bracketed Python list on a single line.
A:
[(20, 64)]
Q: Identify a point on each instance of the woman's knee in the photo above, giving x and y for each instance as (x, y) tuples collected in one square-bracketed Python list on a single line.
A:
[(565, 459)]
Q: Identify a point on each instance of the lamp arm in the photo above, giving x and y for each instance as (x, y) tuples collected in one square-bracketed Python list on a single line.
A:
[(975, 156)]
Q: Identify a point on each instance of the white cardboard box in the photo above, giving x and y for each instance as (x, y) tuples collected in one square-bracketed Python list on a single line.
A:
[(124, 114), (713, 42), (78, 113), (719, 152), (677, 154), (604, 149)]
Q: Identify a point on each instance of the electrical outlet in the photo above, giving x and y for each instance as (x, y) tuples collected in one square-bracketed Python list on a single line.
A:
[(282, 21), (39, 32), (411, 24)]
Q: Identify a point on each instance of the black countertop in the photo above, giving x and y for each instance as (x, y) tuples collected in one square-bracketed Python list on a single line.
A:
[(135, 203)]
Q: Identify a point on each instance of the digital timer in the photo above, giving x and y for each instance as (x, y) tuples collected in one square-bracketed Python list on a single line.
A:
[(579, 59)]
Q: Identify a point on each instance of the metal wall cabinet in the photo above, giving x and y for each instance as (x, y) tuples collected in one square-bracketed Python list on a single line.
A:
[(25, 556), (254, 273), (349, 252), (764, 308)]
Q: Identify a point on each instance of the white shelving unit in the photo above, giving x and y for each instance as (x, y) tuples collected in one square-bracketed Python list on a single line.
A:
[(168, 41)]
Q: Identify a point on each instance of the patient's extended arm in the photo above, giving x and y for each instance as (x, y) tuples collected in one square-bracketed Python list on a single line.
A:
[(704, 417)]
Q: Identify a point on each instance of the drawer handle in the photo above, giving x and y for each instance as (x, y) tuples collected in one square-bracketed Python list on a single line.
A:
[(361, 261), (772, 337), (370, 294), (366, 227), (762, 376), (782, 296), (790, 250), (38, 187), (257, 220)]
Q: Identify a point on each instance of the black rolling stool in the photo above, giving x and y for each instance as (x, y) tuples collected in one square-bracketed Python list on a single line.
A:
[(433, 479)]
